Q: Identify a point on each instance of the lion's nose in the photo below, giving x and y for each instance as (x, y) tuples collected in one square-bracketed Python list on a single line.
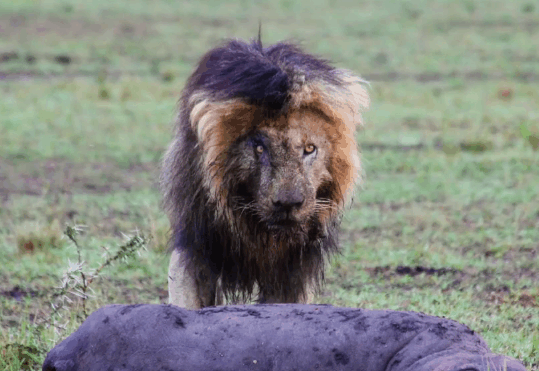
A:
[(288, 199)]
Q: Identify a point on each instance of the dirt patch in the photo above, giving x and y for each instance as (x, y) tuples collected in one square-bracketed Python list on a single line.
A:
[(486, 282), (394, 76), (429, 271), (402, 270), (429, 77), (490, 24), (373, 146), (527, 300), (8, 57), (502, 295), (64, 177), (19, 26), (18, 293)]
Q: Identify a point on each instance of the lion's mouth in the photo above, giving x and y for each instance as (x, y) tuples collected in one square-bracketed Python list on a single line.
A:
[(284, 223)]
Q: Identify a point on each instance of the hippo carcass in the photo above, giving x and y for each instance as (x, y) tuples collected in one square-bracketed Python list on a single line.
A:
[(271, 337)]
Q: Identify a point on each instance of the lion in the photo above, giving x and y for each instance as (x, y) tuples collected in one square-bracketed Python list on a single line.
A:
[(263, 162)]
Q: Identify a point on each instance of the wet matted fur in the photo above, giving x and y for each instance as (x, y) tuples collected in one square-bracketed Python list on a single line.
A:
[(263, 162)]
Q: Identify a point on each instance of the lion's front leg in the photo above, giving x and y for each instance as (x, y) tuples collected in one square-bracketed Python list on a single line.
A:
[(190, 285), (306, 297)]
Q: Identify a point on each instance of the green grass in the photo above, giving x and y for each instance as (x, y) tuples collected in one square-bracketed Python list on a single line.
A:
[(450, 153)]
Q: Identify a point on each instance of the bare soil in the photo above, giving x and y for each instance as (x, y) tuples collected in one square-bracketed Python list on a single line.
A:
[(64, 177), (393, 76)]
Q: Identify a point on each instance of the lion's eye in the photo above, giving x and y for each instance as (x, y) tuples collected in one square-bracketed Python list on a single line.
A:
[(309, 148), (260, 148)]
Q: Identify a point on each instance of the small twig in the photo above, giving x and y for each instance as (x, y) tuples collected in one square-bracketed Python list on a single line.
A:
[(71, 232)]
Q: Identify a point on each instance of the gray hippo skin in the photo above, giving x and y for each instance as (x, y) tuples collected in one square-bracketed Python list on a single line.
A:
[(278, 337)]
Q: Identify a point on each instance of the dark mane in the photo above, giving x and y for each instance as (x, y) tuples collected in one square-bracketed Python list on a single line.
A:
[(262, 76)]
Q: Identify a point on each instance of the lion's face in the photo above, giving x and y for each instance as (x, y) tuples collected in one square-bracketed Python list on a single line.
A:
[(283, 181)]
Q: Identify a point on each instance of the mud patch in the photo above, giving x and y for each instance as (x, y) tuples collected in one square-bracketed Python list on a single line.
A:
[(373, 146), (8, 57), (414, 271), (24, 26), (490, 24), (502, 295), (402, 270), (64, 177), (527, 300), (18, 293), (431, 77), (395, 76), (474, 146), (63, 59)]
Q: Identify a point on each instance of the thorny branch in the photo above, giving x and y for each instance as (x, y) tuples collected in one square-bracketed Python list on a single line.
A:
[(76, 281)]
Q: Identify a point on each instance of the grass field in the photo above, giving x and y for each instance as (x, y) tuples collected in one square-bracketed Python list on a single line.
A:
[(446, 221)]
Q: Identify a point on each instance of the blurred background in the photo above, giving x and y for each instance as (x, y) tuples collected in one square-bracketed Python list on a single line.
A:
[(446, 220)]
